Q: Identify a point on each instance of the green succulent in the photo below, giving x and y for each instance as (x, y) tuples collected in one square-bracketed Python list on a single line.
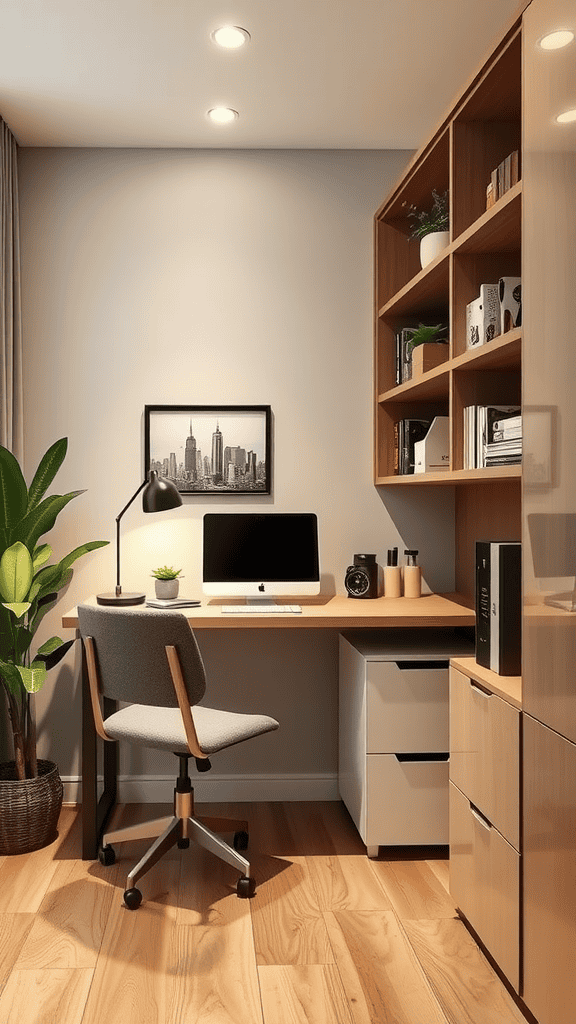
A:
[(166, 572), (423, 334), (28, 589)]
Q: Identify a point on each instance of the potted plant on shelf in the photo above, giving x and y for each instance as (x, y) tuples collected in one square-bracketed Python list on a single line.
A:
[(427, 347), (167, 582), (30, 788), (431, 227)]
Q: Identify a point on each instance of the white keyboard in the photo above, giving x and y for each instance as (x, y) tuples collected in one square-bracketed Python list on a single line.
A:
[(261, 609)]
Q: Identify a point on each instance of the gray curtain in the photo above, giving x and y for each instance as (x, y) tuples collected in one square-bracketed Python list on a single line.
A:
[(11, 398)]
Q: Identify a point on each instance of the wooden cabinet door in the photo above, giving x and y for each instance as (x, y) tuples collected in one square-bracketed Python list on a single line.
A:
[(549, 874), (485, 753)]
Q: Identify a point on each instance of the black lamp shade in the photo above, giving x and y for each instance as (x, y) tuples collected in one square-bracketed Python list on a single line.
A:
[(160, 494)]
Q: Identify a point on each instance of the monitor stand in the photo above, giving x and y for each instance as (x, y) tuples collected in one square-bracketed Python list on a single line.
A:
[(265, 602)]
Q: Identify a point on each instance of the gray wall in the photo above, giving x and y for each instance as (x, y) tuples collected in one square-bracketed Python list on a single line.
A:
[(208, 277)]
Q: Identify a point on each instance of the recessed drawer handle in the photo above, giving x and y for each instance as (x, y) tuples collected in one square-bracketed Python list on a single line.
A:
[(480, 817), (409, 666), (480, 689), (423, 757)]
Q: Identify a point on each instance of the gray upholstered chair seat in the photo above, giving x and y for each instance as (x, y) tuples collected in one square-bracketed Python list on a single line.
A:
[(163, 728)]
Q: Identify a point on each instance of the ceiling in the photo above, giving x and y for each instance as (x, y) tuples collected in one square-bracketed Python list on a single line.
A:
[(317, 74)]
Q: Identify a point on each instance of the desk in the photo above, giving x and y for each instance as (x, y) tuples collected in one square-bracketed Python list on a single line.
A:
[(336, 612)]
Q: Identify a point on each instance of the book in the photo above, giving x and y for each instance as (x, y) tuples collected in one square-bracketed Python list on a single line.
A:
[(174, 602), (505, 608), (410, 431), (483, 563), (498, 606), (403, 355)]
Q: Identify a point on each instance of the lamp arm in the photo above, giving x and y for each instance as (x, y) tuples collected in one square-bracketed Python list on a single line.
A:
[(118, 518)]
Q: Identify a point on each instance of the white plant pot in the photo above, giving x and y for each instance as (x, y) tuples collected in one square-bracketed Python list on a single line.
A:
[(166, 590), (432, 245)]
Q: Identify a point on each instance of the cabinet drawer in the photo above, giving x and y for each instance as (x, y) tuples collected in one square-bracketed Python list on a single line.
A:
[(485, 753), (406, 706), (485, 882), (406, 802)]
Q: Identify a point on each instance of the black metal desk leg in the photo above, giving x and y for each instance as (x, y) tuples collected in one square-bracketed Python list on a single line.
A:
[(95, 812)]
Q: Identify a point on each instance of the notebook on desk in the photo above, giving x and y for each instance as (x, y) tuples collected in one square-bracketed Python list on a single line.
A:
[(175, 602)]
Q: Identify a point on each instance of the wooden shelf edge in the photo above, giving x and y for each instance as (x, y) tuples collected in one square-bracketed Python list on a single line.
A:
[(451, 477), (507, 687)]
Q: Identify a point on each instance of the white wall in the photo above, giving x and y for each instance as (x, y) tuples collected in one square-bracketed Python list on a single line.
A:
[(213, 277)]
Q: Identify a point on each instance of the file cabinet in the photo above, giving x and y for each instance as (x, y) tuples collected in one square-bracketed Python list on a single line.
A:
[(393, 734)]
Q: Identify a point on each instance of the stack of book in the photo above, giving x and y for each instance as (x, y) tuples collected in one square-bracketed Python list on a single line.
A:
[(403, 355), (502, 178), (492, 436), (406, 433)]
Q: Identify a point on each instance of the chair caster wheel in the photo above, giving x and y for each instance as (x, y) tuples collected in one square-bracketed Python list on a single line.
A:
[(132, 898), (107, 856), (183, 844), (245, 887), (240, 841)]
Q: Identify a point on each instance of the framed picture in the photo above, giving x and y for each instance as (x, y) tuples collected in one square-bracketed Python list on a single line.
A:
[(210, 449)]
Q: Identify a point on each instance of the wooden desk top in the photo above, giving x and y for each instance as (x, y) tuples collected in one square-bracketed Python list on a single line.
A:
[(337, 612)]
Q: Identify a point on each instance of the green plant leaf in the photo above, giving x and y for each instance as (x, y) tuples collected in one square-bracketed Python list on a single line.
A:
[(51, 645), (15, 573), (41, 555), (42, 518), (40, 609), (13, 492), (11, 677), (33, 677), (47, 469), (24, 637), (83, 549), (52, 658), (17, 608)]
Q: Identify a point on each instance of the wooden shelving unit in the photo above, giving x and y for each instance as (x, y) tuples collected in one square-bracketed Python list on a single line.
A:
[(485, 244)]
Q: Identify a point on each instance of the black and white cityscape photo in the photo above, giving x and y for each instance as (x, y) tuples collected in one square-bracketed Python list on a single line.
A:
[(209, 449)]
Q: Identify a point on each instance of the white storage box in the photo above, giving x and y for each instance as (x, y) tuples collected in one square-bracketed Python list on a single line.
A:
[(432, 453), (483, 316)]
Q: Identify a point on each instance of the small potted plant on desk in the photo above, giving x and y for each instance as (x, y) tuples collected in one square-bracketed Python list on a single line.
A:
[(427, 347), (30, 788), (431, 227), (167, 582)]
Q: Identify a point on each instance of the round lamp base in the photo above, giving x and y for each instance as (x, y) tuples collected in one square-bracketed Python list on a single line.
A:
[(120, 599)]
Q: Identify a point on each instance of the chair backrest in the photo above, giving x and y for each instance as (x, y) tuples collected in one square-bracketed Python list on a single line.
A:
[(130, 648)]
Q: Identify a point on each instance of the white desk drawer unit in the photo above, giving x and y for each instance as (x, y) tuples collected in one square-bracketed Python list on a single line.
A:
[(393, 734)]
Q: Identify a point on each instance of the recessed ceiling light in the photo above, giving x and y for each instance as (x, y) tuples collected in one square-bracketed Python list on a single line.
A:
[(556, 40), (222, 115), (567, 117), (231, 36)]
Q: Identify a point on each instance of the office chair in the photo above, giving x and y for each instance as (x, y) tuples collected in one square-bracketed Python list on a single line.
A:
[(151, 659)]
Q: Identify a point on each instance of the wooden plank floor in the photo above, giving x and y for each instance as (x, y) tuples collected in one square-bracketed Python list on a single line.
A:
[(331, 937)]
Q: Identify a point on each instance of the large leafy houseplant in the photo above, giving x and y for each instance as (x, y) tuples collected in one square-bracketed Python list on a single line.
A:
[(28, 589)]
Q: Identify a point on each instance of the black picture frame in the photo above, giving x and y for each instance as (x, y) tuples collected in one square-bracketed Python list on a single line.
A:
[(201, 467)]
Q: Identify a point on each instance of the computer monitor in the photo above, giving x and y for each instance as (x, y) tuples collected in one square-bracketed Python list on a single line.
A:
[(260, 555)]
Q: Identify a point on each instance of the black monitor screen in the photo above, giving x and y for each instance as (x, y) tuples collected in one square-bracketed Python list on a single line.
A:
[(253, 546)]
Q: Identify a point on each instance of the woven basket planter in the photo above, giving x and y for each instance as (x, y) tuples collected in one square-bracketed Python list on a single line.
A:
[(29, 808)]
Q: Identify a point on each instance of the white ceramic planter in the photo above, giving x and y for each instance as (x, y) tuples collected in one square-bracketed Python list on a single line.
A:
[(432, 245), (166, 590)]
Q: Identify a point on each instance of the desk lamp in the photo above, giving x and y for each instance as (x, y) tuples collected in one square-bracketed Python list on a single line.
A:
[(159, 495)]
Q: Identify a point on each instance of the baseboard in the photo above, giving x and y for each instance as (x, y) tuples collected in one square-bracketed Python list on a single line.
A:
[(151, 789)]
